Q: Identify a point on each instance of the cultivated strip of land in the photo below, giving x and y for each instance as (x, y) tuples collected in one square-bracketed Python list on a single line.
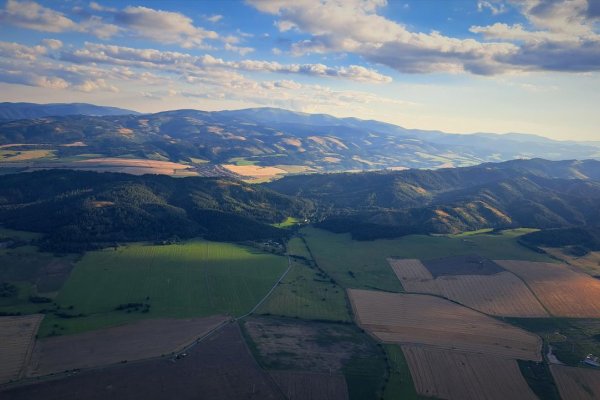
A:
[(429, 320)]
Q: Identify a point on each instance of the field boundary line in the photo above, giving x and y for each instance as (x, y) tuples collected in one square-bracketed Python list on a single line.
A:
[(269, 292), (532, 292)]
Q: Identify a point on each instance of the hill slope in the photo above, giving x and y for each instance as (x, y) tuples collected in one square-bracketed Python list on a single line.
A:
[(80, 210), (15, 111), (532, 193), (272, 137)]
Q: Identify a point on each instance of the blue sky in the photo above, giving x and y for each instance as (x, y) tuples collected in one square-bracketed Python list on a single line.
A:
[(458, 66)]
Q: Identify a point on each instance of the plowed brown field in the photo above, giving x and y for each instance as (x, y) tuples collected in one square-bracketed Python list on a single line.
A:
[(577, 383), (501, 294), (423, 319), (143, 339), (454, 375), (564, 291), (17, 335), (311, 386)]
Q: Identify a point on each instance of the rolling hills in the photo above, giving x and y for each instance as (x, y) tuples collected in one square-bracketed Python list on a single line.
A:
[(293, 142)]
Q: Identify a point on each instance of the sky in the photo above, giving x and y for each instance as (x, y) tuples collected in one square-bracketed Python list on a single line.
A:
[(529, 66)]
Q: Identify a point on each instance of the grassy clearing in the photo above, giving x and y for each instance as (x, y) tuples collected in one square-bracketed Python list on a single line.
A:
[(363, 265), (306, 293), (241, 161), (6, 233), (193, 279), (400, 384), (287, 223)]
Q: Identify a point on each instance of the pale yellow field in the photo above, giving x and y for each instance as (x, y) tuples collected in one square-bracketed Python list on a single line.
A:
[(254, 170), (501, 294), (454, 375), (564, 291), (429, 320), (17, 336), (576, 383), (134, 166), (24, 155)]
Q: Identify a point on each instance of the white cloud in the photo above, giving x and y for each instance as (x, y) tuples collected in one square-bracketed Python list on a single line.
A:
[(495, 9), (163, 26), (189, 65), (564, 28), (214, 18), (238, 49), (53, 44), (31, 15)]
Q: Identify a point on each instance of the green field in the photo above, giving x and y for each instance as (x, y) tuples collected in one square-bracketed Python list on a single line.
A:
[(196, 278), (363, 264), (287, 223), (296, 247), (305, 293), (400, 384)]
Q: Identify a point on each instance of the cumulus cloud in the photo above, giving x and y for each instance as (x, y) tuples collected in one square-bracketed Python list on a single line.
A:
[(563, 28), (354, 26), (163, 26), (31, 15), (160, 26), (495, 9), (195, 66), (562, 36)]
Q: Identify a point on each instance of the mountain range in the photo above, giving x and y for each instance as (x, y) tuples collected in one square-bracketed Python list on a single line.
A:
[(293, 142)]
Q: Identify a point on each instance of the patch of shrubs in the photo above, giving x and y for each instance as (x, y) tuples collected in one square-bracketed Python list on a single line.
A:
[(8, 289)]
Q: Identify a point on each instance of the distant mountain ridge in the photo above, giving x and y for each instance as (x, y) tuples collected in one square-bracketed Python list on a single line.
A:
[(15, 111), (284, 139)]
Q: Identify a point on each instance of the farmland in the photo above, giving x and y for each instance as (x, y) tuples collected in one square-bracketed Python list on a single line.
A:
[(221, 367), (311, 386), (454, 375), (308, 294), (17, 335), (363, 264), (588, 263), (193, 279), (564, 291), (501, 294), (284, 344), (577, 383), (428, 320), (400, 384), (138, 340)]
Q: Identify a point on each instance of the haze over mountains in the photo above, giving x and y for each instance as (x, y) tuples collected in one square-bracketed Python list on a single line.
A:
[(271, 137)]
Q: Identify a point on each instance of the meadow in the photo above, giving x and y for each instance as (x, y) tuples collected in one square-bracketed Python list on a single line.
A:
[(192, 279), (363, 264)]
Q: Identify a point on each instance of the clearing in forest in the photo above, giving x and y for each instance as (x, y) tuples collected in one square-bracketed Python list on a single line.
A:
[(429, 320), (564, 291)]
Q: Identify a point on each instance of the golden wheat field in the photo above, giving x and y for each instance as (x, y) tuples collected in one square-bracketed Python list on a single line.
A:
[(576, 383), (454, 375), (501, 294), (564, 291), (429, 320), (17, 336)]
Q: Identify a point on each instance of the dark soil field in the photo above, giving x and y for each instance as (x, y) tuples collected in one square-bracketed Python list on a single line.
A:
[(462, 265), (311, 386), (284, 344), (135, 341), (220, 367)]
